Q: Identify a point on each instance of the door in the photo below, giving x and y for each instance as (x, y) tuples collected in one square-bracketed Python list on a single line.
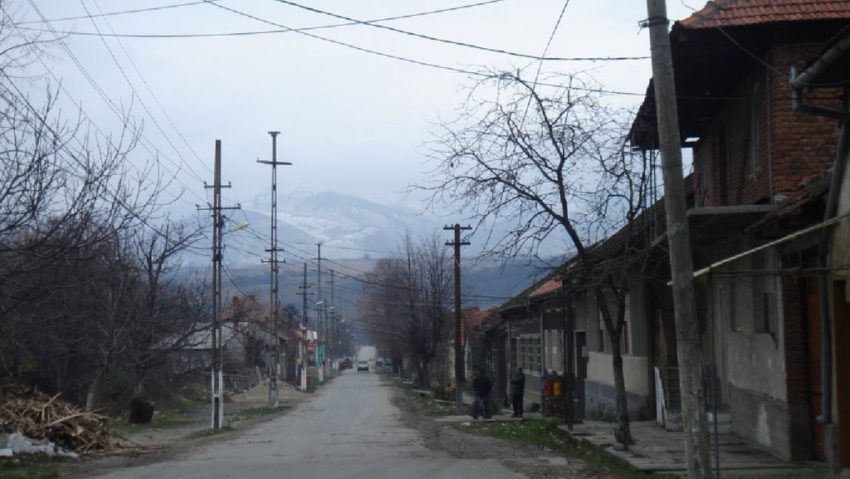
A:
[(581, 371), (841, 320), (815, 389)]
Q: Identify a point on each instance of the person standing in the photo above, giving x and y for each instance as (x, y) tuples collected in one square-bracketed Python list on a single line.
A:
[(482, 386), (517, 391)]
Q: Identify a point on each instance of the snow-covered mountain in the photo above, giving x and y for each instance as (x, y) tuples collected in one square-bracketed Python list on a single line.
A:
[(347, 227)]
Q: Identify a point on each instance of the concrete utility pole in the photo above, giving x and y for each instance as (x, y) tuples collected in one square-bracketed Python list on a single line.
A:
[(678, 237), (303, 293), (320, 306), (332, 319), (460, 380), (216, 340), (274, 280)]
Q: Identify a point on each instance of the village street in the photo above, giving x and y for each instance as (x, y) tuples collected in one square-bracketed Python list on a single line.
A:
[(350, 429)]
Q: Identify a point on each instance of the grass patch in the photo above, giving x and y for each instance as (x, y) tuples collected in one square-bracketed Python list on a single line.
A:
[(257, 412), (123, 426), (29, 469), (545, 433), (209, 432), (428, 405)]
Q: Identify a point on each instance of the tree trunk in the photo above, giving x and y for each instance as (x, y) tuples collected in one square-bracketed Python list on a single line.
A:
[(91, 396), (624, 433)]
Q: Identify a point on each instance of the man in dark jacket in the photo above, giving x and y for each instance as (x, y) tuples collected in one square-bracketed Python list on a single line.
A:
[(517, 390), (482, 387)]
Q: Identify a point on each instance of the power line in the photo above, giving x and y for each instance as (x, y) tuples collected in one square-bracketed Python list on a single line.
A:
[(111, 14), (145, 142), (406, 59), (150, 90), (455, 42), (132, 87), (265, 32)]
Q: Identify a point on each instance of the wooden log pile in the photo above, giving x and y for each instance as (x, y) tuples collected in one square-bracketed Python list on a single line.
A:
[(42, 417)]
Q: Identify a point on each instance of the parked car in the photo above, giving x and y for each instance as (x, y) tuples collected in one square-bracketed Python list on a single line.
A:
[(363, 366), (346, 363)]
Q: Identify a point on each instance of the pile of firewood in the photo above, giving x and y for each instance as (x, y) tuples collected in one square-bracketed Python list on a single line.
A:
[(42, 417)]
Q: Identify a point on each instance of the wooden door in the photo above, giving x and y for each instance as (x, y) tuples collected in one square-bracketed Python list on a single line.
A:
[(815, 387), (841, 320), (581, 372)]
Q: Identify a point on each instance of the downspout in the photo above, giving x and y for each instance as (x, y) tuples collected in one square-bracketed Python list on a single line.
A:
[(768, 93), (823, 279), (798, 82)]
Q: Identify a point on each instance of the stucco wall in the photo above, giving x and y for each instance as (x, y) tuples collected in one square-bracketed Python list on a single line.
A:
[(840, 253), (600, 370), (762, 420)]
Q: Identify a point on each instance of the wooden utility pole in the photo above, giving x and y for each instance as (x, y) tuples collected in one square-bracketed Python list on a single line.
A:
[(678, 238), (216, 340), (460, 380), (274, 280)]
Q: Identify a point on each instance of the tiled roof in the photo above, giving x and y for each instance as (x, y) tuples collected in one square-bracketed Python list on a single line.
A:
[(729, 13), (547, 287), (476, 317)]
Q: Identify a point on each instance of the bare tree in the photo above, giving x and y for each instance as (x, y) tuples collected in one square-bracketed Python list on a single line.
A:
[(554, 163)]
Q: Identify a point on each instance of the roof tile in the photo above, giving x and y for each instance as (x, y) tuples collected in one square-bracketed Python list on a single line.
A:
[(729, 13)]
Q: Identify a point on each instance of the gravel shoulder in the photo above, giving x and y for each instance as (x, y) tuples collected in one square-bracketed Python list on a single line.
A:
[(242, 412), (451, 438)]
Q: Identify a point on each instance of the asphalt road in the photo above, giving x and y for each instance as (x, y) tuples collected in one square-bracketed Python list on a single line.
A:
[(348, 430)]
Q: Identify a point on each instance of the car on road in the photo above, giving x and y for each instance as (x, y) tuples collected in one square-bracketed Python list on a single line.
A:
[(363, 366)]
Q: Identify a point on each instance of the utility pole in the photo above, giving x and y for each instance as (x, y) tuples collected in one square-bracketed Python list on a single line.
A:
[(274, 277), (460, 380), (678, 237), (332, 318), (320, 320), (303, 293), (216, 340)]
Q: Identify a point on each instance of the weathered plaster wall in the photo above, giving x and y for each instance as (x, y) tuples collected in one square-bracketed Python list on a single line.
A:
[(600, 370), (841, 236), (762, 419)]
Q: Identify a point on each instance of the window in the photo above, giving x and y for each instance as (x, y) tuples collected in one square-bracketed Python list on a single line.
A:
[(765, 296), (754, 141), (528, 349)]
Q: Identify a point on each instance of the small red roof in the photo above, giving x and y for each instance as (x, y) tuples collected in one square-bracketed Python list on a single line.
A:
[(730, 13), (476, 317), (547, 287)]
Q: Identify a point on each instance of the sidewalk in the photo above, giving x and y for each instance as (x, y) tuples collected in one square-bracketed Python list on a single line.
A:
[(657, 450)]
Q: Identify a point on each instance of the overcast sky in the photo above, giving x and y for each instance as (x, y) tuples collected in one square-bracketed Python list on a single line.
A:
[(351, 121)]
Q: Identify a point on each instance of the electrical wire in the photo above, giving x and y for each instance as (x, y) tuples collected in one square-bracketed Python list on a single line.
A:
[(133, 88), (401, 58), (284, 30), (150, 90), (145, 142), (458, 43), (111, 14)]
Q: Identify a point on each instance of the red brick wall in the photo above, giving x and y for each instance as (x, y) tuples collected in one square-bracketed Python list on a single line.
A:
[(792, 145)]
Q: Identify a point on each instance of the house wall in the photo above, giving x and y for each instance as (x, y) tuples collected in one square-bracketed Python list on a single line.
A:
[(791, 146), (840, 253), (749, 351), (600, 394)]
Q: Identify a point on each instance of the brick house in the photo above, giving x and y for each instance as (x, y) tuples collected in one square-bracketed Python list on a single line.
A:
[(760, 187)]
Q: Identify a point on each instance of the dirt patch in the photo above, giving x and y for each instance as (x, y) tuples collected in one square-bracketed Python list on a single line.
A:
[(242, 412), (533, 461)]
